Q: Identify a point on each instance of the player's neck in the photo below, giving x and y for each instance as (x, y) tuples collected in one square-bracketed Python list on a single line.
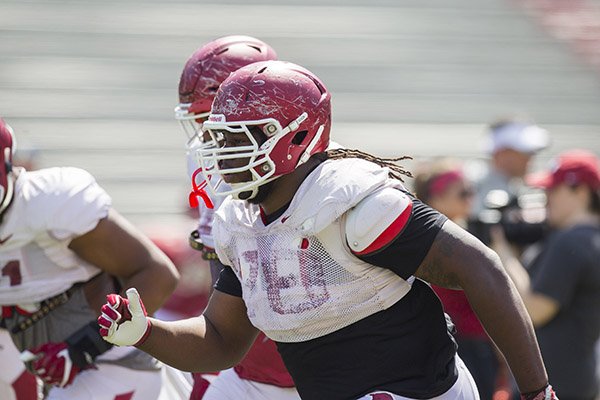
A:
[(285, 187)]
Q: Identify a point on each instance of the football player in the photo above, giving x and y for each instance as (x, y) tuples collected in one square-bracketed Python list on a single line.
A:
[(329, 255), (63, 249), (261, 374), (16, 383)]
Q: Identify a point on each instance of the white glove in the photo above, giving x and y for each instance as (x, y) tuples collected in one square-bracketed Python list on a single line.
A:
[(124, 322)]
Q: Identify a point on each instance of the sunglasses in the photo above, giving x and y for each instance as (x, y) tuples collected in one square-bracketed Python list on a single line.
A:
[(466, 193)]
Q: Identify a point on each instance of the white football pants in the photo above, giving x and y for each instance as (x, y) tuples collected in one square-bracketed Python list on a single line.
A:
[(229, 386), (464, 388)]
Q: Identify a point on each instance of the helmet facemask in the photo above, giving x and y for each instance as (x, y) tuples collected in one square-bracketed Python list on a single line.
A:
[(191, 123), (267, 119), (202, 75), (259, 165)]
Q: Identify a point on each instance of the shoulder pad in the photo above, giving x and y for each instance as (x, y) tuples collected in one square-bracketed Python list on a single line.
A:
[(377, 220)]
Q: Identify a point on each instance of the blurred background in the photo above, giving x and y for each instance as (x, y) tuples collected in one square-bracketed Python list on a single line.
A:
[(93, 84)]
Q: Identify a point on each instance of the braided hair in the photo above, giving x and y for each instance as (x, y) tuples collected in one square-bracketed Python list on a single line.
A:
[(396, 171)]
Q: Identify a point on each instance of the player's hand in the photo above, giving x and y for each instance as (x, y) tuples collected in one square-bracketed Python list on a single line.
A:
[(124, 322), (546, 393), (52, 363)]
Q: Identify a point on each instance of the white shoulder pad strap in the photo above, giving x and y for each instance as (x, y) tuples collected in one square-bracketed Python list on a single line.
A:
[(377, 220)]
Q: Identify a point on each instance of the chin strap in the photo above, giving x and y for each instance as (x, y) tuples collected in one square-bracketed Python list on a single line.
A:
[(245, 194), (199, 191), (308, 151)]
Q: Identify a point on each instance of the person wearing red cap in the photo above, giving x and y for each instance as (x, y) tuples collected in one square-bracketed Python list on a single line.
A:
[(561, 285)]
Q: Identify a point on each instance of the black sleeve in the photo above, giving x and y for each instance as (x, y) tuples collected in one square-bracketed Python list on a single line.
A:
[(228, 282), (406, 252)]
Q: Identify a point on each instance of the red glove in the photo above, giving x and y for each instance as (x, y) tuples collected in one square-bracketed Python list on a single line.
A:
[(53, 364), (124, 321), (546, 393)]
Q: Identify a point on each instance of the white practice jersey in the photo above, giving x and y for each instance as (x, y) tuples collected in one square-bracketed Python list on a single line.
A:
[(50, 207), (299, 278), (205, 221)]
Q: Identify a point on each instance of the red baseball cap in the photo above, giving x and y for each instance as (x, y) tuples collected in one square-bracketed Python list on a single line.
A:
[(572, 167)]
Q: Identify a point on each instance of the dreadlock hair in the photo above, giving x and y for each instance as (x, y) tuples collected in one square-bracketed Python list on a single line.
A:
[(396, 171)]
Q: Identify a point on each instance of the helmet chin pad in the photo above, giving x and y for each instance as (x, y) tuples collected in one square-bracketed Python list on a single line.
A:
[(248, 195), (244, 194)]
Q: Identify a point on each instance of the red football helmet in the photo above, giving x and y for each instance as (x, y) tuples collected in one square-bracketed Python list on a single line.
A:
[(204, 71), (8, 145), (291, 107)]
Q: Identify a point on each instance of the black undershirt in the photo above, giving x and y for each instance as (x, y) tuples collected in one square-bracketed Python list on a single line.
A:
[(274, 216), (406, 349)]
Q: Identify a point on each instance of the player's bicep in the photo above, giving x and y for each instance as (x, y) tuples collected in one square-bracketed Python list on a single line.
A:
[(434, 268), (457, 260), (228, 325), (117, 247)]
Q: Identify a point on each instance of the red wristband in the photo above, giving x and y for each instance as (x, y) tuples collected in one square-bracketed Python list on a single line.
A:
[(146, 334)]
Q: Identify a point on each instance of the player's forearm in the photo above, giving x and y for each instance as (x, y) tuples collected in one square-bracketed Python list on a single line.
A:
[(156, 282), (507, 323), (189, 345), (457, 259)]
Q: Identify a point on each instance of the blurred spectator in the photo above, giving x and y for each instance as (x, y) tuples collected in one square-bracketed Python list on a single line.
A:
[(561, 285), (443, 186), (511, 143)]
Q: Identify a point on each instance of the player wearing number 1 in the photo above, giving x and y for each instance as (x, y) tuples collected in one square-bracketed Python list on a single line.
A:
[(63, 248), (327, 253)]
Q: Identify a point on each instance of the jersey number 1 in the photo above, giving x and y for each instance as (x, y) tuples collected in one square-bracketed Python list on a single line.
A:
[(13, 271)]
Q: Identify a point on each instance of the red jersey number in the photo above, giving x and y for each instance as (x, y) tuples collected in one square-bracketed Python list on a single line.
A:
[(12, 270)]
